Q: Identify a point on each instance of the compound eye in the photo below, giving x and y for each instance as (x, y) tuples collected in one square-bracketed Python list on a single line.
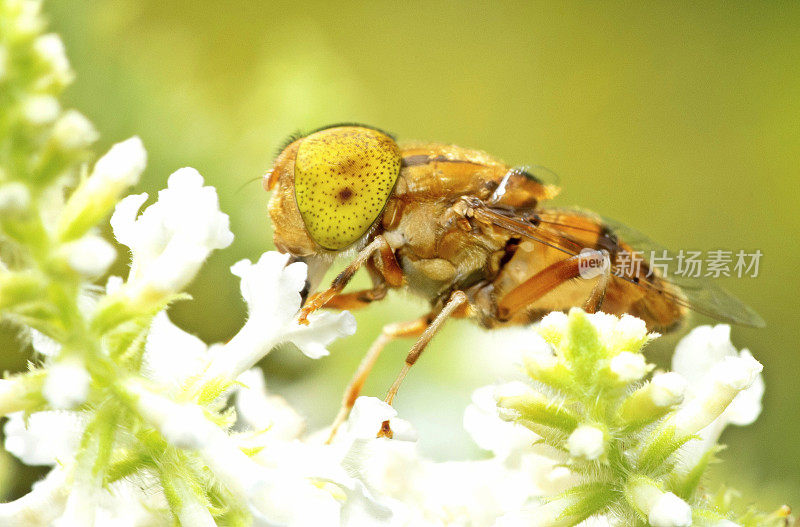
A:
[(343, 177)]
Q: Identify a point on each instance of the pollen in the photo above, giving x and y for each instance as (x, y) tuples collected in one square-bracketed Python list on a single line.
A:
[(343, 178)]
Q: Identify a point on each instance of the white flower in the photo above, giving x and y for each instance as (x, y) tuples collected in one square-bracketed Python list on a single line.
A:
[(193, 512), (172, 238), (119, 169), (73, 131), (367, 416), (626, 333), (122, 504), (553, 324), (184, 425), (50, 50), (96, 195), (316, 484), (422, 492), (134, 502), (586, 441), (40, 109), (698, 354), (11, 392), (273, 495), (66, 384), (114, 284), (172, 355), (663, 509), (263, 412), (44, 438), (667, 389), (488, 430), (14, 197), (670, 511), (730, 377), (82, 503), (290, 500), (25, 19), (272, 292), (545, 515), (41, 506), (628, 367), (43, 344), (724, 387), (90, 255)]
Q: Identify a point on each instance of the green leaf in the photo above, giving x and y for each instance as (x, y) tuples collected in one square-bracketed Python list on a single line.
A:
[(685, 485), (659, 446), (538, 409), (592, 498), (583, 349)]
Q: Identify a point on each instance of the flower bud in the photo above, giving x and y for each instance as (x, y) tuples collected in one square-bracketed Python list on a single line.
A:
[(50, 50), (586, 442), (653, 400), (667, 389), (66, 385), (90, 255), (14, 393), (119, 169), (40, 109), (670, 511), (548, 369), (662, 509), (14, 198), (731, 376), (73, 131), (26, 20), (628, 367)]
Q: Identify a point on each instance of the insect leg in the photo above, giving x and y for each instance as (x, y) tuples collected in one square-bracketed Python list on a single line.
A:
[(457, 299), (389, 268), (357, 299), (554, 275), (598, 294), (412, 328)]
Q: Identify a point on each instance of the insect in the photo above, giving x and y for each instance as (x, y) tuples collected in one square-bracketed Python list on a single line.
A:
[(467, 233)]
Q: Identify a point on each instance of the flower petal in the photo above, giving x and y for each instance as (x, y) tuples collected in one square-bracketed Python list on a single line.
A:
[(44, 438)]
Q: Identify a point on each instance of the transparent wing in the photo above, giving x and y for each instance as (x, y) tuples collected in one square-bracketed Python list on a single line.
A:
[(571, 230), (702, 294)]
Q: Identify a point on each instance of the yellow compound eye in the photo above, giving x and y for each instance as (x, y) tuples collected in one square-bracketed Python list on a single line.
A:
[(343, 177)]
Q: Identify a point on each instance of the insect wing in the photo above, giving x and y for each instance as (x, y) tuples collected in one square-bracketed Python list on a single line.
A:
[(570, 231)]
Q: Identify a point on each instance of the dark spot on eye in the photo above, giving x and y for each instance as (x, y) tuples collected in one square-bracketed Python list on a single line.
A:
[(345, 194)]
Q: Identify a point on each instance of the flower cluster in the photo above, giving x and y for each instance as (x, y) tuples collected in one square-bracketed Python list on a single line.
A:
[(143, 424), (635, 444)]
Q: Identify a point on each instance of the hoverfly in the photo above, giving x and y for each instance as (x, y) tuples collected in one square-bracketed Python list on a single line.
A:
[(464, 231)]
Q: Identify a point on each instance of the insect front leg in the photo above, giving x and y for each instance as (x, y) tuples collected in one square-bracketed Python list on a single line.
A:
[(389, 269), (456, 301), (357, 299), (390, 332)]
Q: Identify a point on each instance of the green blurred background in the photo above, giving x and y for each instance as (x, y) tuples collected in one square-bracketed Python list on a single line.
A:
[(681, 119)]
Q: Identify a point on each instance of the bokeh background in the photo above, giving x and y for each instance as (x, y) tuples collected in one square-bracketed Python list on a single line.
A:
[(681, 119)]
